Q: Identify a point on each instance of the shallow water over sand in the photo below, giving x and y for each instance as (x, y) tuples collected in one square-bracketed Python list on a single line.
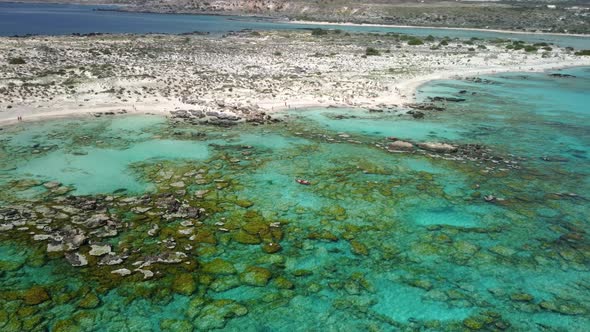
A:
[(379, 241)]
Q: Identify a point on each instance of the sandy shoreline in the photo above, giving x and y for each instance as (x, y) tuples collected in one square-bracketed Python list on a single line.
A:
[(440, 28), (241, 75), (406, 95)]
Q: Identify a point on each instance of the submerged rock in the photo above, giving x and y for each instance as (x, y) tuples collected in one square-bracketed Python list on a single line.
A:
[(271, 248), (255, 276), (51, 184), (184, 284), (215, 314), (90, 301), (522, 297), (283, 283), (359, 248), (218, 266), (225, 283), (245, 238), (35, 295)]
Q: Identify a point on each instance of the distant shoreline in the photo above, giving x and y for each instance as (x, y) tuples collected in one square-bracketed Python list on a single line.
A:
[(441, 28), (125, 8)]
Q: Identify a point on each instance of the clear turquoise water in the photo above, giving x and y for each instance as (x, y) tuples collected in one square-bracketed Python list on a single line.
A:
[(59, 19), (380, 241)]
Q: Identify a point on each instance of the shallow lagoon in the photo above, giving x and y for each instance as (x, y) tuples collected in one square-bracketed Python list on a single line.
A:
[(378, 241)]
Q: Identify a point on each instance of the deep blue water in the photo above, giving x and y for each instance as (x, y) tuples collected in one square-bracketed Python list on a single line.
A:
[(58, 19)]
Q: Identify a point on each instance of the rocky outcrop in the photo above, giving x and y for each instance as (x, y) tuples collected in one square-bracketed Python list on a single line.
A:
[(400, 146), (438, 147)]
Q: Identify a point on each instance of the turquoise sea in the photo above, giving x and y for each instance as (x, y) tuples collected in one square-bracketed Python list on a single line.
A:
[(60, 19), (491, 237)]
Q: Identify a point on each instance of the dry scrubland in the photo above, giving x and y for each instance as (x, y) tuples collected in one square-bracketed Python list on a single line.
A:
[(243, 72)]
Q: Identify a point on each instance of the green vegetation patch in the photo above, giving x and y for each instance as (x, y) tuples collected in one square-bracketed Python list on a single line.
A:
[(16, 61), (415, 41), (372, 51)]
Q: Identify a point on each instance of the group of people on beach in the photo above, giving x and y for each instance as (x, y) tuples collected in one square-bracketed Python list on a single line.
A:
[(19, 118)]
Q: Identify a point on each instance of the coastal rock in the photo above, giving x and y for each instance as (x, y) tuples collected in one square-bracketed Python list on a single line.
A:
[(425, 107), (97, 220), (74, 239), (147, 274), (6, 227), (562, 75), (76, 259), (416, 114), (112, 259), (448, 99), (201, 193), (400, 146), (41, 237), (122, 272), (438, 147), (55, 247), (99, 249), (179, 184)]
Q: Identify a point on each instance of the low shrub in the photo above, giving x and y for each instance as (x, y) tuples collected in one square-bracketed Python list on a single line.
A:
[(415, 41), (16, 61), (372, 51), (319, 32)]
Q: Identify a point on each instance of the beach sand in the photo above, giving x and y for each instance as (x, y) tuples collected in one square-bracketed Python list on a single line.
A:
[(239, 74)]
